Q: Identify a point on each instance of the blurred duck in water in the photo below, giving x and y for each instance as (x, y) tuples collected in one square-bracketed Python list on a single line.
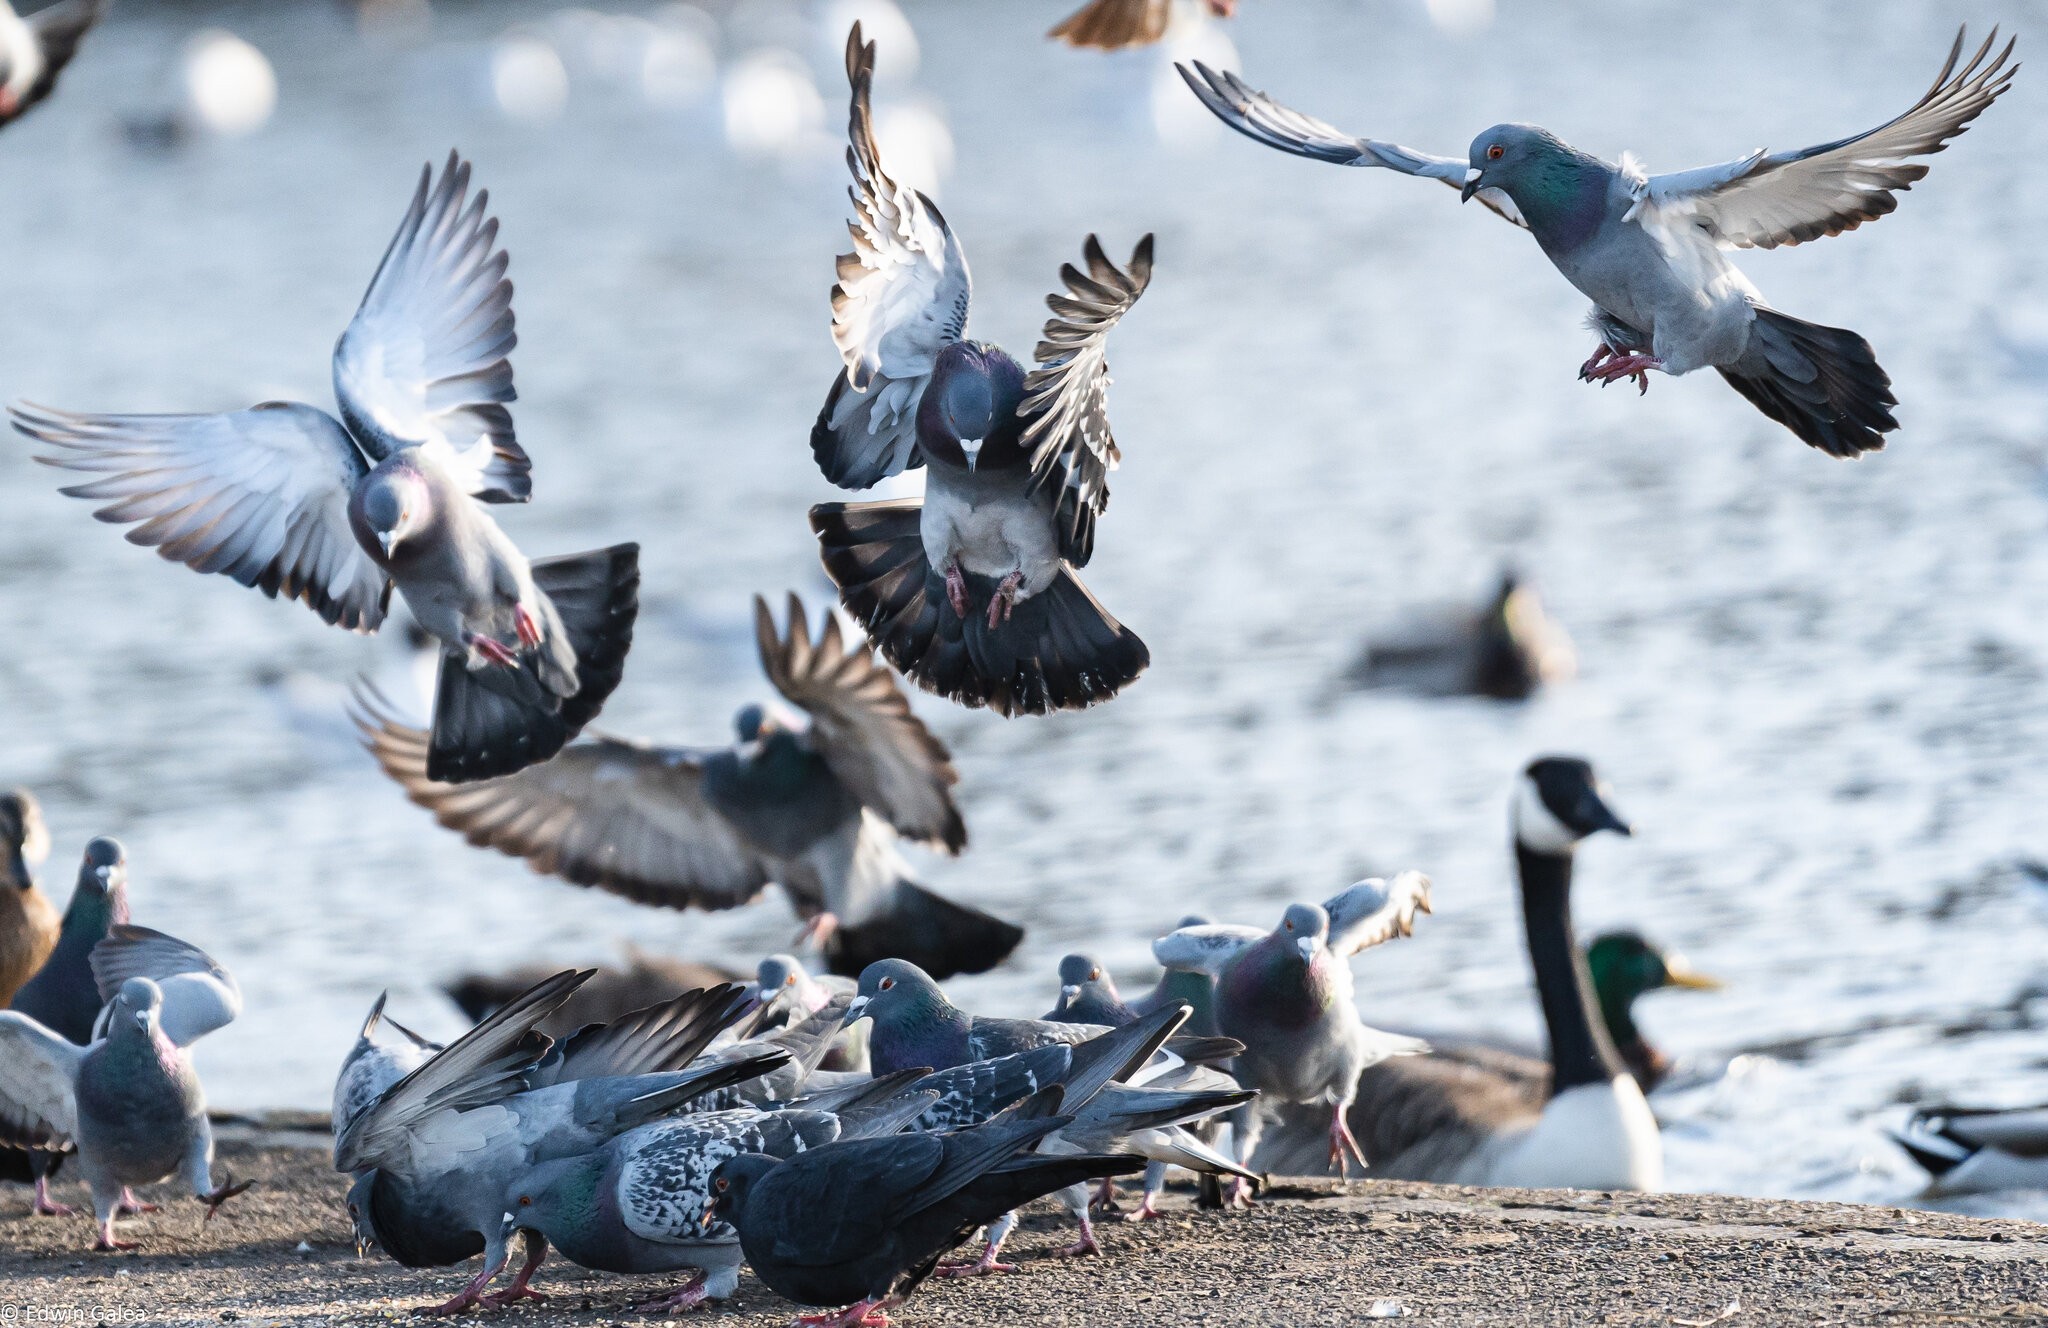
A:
[(1974, 1150), (1506, 650)]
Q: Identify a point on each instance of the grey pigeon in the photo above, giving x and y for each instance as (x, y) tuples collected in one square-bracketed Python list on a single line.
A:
[(971, 591), (374, 1064), (1197, 991), (1088, 995), (34, 50), (130, 1100), (817, 808), (1286, 995), (789, 994), (1648, 249), (861, 1223), (63, 997), (434, 1155), (637, 1204), (287, 499)]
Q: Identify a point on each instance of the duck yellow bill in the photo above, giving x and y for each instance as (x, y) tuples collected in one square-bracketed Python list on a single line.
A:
[(1678, 974)]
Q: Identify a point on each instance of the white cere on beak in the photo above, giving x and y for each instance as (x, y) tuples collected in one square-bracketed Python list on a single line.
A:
[(972, 448), (855, 1009), (1307, 946), (1472, 174), (104, 873), (1069, 993)]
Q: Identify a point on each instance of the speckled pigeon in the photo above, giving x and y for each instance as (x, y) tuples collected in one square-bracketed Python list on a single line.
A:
[(1286, 995), (862, 1223), (373, 1064), (971, 590), (434, 1155), (816, 808), (63, 997), (129, 1100), (288, 499), (34, 50), (1648, 249)]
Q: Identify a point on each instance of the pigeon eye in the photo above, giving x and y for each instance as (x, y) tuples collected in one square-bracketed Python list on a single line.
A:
[(888, 983), (723, 1184), (1496, 152), (526, 1201), (1288, 925), (1094, 974), (789, 981)]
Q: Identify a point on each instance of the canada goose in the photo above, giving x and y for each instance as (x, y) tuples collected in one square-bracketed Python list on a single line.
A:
[(1481, 1116), (1970, 1150), (1505, 650)]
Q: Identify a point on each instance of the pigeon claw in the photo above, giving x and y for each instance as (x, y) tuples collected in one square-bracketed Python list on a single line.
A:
[(511, 1295), (492, 649), (956, 589), (1601, 355), (108, 1245), (1343, 1142), (47, 1207), (524, 625), (1105, 1197), (1004, 601), (863, 1314), (981, 1267), (1145, 1211), (1619, 366), (1240, 1193), (691, 1295), (222, 1195)]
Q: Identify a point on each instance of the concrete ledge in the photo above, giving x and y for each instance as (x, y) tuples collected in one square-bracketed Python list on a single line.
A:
[(1312, 1253)]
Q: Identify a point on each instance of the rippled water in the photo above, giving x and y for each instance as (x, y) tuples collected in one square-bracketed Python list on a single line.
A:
[(1816, 687)]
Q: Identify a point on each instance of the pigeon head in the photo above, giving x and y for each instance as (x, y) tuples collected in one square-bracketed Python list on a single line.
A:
[(731, 1183), (1560, 191), (750, 721), (137, 1005), (361, 1224), (555, 1198), (1306, 929), (1080, 974), (779, 975), (105, 868), (894, 991), (1559, 802), (24, 841), (393, 503), (968, 415)]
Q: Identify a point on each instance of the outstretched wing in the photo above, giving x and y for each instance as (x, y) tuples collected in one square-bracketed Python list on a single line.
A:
[(1112, 25), (621, 816), (260, 495), (1767, 199), (862, 725), (1376, 910), (901, 299), (1208, 948), (1257, 116), (199, 995), (423, 364), (1066, 398), (37, 1069)]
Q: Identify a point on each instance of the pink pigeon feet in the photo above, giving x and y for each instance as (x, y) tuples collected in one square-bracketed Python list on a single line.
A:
[(866, 1314), (1608, 365), (1146, 1210), (45, 1206), (471, 1295), (130, 1204), (1342, 1141), (1240, 1193), (956, 589), (519, 1290), (981, 1267), (1083, 1247), (1105, 1197), (528, 630), (690, 1297), (492, 649), (817, 931), (1004, 600), (107, 1244)]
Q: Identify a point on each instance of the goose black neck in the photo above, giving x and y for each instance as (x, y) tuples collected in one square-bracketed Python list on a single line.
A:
[(1580, 1050)]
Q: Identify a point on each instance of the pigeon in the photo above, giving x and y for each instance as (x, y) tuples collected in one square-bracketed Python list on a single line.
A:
[(63, 997), (287, 499), (1648, 249), (1286, 995), (1116, 25), (29, 924), (34, 50), (637, 1204), (1088, 995), (789, 995), (374, 1064), (914, 1024), (130, 1100), (1197, 991), (970, 591), (433, 1156), (644, 980), (816, 808), (862, 1223)]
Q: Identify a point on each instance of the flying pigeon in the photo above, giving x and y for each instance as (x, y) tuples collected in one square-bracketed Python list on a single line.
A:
[(29, 924), (1115, 25), (64, 998), (129, 1101), (970, 591), (863, 1222), (287, 499), (34, 50), (1088, 995), (816, 809), (434, 1154), (1286, 995), (1648, 249)]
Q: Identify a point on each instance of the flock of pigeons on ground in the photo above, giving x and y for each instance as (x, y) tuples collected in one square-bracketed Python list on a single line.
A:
[(842, 1134)]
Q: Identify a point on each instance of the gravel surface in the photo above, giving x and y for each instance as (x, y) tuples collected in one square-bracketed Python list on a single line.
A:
[(1313, 1253)]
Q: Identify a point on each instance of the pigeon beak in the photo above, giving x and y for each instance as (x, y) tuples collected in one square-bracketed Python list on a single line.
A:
[(1307, 946), (856, 1010), (710, 1210), (507, 1227), (971, 447), (1472, 174), (362, 1246), (104, 873), (388, 540), (1069, 993)]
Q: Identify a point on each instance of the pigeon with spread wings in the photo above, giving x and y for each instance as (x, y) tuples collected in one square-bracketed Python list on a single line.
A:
[(285, 498), (1648, 250), (817, 809), (970, 591)]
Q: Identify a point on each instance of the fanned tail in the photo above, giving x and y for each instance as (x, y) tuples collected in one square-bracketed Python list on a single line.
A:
[(1822, 383)]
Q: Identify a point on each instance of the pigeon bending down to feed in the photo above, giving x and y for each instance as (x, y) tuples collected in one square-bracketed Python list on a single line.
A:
[(287, 499), (1287, 996), (971, 590), (130, 1100), (1114, 25), (34, 50), (814, 808), (29, 924), (1648, 249), (862, 1223), (434, 1154), (789, 995), (63, 995)]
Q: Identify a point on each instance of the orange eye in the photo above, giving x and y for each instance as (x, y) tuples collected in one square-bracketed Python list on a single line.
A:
[(525, 1201), (1496, 152), (1094, 974), (789, 981), (888, 983), (723, 1184), (1288, 925)]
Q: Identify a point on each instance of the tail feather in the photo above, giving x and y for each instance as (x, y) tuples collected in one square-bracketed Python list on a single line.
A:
[(1936, 1154), (492, 721), (1059, 650), (943, 938), (1822, 383)]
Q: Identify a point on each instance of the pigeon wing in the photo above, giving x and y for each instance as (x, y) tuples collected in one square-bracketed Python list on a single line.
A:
[(425, 361), (199, 995), (260, 495), (37, 1069), (58, 30), (1208, 948), (1376, 910)]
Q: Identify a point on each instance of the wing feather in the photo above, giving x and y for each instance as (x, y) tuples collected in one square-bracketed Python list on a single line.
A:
[(37, 1069), (199, 995), (1208, 948), (1376, 910)]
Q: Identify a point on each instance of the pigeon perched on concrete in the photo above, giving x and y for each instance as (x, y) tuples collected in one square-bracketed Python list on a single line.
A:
[(863, 1222), (63, 996), (1647, 249), (374, 1064), (29, 923), (971, 590), (287, 499), (816, 808), (1088, 995), (34, 50), (433, 1156), (129, 1101), (1286, 995), (1116, 25)]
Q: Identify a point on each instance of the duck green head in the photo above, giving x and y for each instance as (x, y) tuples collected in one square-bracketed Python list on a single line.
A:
[(1626, 966)]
